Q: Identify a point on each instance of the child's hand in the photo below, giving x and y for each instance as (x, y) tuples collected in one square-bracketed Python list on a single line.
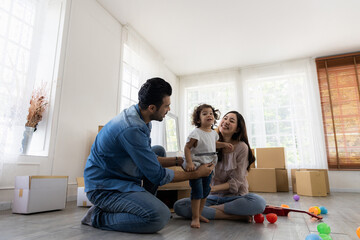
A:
[(190, 167), (229, 147)]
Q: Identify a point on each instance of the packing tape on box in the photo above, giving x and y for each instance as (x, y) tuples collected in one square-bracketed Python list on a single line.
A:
[(84, 204), (20, 192)]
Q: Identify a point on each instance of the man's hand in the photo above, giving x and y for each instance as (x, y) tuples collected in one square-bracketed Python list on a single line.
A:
[(205, 170)]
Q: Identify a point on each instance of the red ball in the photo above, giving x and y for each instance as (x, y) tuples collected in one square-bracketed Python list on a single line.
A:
[(271, 217), (259, 218)]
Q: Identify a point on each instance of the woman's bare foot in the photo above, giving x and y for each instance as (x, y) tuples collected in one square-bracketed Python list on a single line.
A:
[(195, 223), (204, 219)]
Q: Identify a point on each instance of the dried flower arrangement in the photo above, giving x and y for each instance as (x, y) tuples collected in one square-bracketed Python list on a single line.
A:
[(38, 104)]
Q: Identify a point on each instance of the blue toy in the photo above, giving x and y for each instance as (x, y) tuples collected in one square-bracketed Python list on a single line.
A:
[(313, 236), (323, 210)]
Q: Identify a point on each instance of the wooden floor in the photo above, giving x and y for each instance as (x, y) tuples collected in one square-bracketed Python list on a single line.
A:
[(343, 218)]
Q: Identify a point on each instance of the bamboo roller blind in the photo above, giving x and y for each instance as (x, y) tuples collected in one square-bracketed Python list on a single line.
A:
[(339, 87)]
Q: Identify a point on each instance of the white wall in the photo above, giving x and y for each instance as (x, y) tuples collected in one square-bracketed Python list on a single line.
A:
[(89, 87), (344, 181)]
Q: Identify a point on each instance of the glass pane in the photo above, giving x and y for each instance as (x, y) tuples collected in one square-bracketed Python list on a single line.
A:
[(270, 128), (171, 134), (125, 90), (134, 94)]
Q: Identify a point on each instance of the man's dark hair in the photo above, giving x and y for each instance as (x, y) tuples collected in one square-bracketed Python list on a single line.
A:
[(152, 92)]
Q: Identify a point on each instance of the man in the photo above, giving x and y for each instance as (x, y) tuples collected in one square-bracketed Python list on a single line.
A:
[(121, 157)]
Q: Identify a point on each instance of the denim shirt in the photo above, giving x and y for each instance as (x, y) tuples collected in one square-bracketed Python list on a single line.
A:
[(121, 156)]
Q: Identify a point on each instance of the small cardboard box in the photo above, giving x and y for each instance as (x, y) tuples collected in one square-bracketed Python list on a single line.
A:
[(311, 183), (282, 181), (262, 180), (39, 193), (326, 175), (293, 177), (82, 200), (270, 157)]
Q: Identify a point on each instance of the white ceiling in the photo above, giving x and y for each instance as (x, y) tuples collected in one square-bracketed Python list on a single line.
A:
[(196, 36)]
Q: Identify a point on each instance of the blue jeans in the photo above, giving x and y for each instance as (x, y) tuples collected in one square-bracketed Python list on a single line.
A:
[(200, 188), (135, 212), (246, 205)]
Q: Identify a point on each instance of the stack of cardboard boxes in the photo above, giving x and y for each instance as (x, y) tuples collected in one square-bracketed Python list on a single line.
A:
[(270, 175)]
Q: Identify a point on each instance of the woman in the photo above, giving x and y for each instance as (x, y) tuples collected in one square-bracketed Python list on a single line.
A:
[(229, 198)]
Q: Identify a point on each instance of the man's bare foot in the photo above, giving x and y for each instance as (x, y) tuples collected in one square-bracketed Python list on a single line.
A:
[(204, 219), (195, 223)]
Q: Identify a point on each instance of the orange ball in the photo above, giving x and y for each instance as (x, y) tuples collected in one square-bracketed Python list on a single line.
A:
[(285, 206), (314, 210), (358, 232), (271, 217)]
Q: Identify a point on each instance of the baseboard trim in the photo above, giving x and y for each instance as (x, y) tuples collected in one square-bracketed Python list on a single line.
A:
[(352, 190), (5, 206)]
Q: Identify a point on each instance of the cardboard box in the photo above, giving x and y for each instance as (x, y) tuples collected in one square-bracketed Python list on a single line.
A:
[(311, 183), (282, 181), (82, 200), (293, 177), (262, 180), (100, 127), (39, 193), (326, 175), (270, 157), (253, 164)]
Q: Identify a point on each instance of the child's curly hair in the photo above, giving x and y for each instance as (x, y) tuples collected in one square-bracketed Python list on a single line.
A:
[(196, 114)]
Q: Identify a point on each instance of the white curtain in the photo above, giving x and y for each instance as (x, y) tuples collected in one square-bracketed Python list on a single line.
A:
[(139, 63), (219, 89), (20, 30), (282, 108)]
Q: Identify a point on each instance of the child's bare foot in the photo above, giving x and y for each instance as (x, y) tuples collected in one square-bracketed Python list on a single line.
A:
[(195, 223), (204, 219)]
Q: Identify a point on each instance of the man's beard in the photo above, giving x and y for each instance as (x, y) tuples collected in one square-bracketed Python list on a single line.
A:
[(157, 117)]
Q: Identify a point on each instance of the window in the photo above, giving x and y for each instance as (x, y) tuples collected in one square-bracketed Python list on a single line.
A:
[(223, 99), (172, 133), (139, 63), (29, 48), (131, 78), (280, 111), (338, 78)]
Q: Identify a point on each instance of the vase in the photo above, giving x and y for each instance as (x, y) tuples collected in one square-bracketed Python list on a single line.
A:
[(28, 133)]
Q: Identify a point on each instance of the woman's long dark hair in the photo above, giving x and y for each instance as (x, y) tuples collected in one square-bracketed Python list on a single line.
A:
[(240, 135)]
